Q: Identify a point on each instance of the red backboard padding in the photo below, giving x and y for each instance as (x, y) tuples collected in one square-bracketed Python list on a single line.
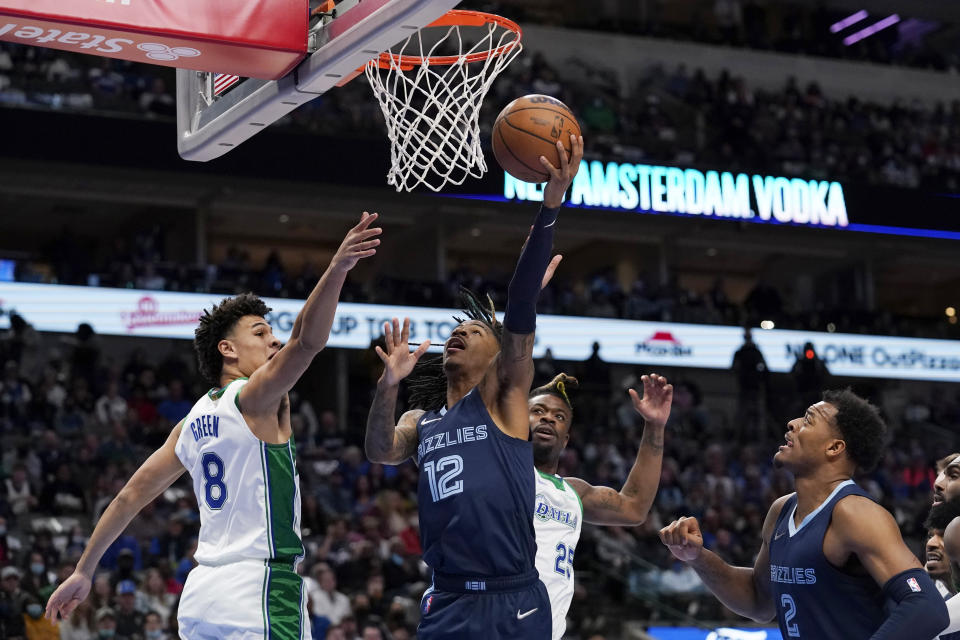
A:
[(254, 38)]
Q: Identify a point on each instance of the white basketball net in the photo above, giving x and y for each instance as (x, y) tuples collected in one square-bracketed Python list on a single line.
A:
[(432, 111)]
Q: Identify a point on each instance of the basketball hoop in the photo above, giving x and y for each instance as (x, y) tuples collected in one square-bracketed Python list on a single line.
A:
[(431, 89)]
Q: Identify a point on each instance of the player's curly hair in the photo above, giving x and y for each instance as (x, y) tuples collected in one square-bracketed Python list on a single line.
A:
[(559, 386), (861, 427), (427, 386), (216, 324)]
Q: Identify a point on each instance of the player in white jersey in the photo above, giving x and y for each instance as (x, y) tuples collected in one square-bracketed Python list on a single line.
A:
[(237, 445), (563, 504)]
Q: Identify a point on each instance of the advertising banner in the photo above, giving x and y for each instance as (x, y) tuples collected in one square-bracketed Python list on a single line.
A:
[(251, 38), (161, 314)]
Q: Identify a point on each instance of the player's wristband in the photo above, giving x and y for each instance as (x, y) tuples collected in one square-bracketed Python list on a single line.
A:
[(520, 316), (920, 610)]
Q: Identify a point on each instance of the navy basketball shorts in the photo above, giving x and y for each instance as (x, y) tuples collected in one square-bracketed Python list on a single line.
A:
[(459, 607)]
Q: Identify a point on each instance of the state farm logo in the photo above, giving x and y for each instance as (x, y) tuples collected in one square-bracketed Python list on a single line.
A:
[(157, 51), (148, 314), (662, 343), (62, 39)]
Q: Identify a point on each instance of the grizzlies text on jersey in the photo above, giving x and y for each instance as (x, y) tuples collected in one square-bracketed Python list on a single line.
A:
[(476, 501), (814, 599)]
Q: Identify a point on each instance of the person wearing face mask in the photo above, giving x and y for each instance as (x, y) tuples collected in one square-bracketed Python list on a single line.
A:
[(107, 625), (36, 626), (36, 578), (153, 627)]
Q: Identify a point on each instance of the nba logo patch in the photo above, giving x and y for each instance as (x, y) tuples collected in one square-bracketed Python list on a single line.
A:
[(426, 606), (914, 585)]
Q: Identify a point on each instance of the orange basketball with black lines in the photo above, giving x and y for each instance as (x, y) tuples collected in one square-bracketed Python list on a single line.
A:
[(528, 128)]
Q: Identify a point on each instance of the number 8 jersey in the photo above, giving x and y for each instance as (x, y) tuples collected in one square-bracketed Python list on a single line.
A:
[(247, 489)]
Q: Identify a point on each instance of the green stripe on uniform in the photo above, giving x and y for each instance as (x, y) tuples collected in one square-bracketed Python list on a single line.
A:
[(281, 491), (263, 601), (266, 497), (284, 594)]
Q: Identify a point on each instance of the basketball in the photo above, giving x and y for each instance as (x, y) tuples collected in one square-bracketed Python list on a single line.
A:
[(528, 128)]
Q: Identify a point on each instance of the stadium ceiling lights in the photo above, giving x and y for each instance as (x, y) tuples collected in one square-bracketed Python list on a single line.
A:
[(889, 21), (849, 20)]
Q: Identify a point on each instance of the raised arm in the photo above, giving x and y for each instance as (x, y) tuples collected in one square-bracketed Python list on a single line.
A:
[(919, 610), (506, 385), (271, 382), (386, 441), (153, 478), (744, 590), (630, 506)]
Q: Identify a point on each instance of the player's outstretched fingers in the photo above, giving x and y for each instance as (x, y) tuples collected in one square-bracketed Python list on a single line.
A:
[(396, 333), (388, 336)]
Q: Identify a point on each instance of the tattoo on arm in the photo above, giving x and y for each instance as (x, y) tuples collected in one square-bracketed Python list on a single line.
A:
[(653, 442), (405, 443), (385, 441)]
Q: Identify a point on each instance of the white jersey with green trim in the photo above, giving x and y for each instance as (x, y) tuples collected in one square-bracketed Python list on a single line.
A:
[(557, 520), (247, 490)]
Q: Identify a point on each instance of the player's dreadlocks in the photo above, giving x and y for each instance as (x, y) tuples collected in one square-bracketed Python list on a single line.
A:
[(559, 386), (475, 310), (428, 386)]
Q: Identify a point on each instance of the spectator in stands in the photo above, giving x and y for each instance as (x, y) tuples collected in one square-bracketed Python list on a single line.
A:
[(18, 492), (80, 625), (325, 600), (751, 371), (111, 406), (153, 627), (156, 598), (810, 375), (106, 620), (12, 604), (175, 406), (36, 626), (129, 620)]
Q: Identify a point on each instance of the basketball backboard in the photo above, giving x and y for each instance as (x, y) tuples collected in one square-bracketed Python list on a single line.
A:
[(211, 120)]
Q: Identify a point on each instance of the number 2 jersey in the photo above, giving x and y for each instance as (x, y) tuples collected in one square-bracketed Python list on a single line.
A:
[(475, 493), (247, 490), (815, 600), (557, 519)]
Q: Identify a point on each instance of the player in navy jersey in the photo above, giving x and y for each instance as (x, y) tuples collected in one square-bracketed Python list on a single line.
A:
[(471, 441), (832, 564)]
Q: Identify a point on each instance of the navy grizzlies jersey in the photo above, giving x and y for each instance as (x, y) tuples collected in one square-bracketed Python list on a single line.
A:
[(476, 493), (815, 600)]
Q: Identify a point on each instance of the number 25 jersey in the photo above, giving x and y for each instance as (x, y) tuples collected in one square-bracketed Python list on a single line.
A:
[(247, 490), (475, 493)]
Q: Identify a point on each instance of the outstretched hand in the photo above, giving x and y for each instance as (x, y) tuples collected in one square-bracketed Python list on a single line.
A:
[(562, 176), (654, 406), (360, 242), (398, 360), (67, 596)]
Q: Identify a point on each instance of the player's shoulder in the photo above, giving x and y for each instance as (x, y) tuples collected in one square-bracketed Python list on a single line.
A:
[(411, 418), (777, 506), (855, 508)]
